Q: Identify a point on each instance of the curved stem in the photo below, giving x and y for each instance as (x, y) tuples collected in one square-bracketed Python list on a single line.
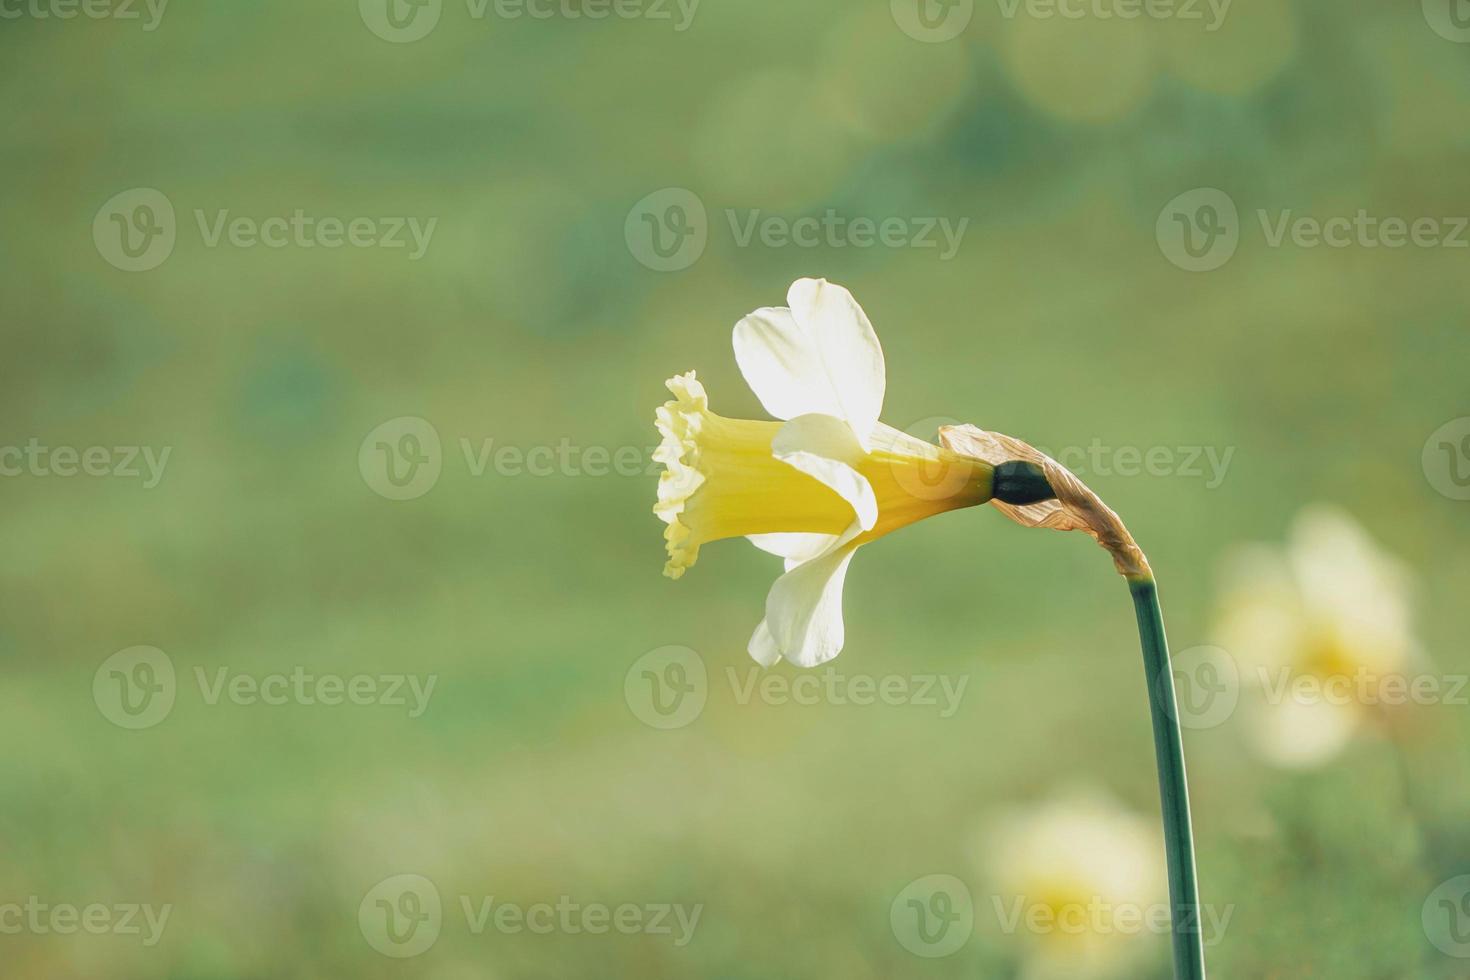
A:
[(1189, 954)]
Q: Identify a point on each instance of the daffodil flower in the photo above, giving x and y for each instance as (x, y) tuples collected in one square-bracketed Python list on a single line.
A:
[(1316, 627), (829, 478), (812, 488), (1084, 872)]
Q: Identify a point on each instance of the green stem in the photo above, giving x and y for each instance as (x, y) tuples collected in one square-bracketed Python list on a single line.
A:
[(1189, 954)]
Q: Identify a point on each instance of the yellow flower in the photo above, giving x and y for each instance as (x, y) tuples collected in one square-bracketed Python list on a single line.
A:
[(1079, 881), (1317, 629), (812, 488)]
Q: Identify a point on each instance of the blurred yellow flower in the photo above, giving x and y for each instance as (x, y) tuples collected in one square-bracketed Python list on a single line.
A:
[(1079, 882), (1320, 629), (813, 488)]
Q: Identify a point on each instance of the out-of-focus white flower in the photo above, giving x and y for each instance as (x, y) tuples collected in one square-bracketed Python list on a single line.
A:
[(1079, 883), (1319, 629)]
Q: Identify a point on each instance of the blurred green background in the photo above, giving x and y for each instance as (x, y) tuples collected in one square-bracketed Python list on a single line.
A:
[(540, 314)]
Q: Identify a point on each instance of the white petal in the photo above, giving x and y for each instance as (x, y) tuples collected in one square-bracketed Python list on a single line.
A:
[(849, 346), (1301, 734), (801, 547), (1352, 587), (796, 547), (762, 646), (804, 609), (782, 365), (825, 448), (1260, 618), (820, 355)]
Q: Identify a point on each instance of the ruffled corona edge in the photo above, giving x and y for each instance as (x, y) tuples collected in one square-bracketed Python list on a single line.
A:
[(679, 423)]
